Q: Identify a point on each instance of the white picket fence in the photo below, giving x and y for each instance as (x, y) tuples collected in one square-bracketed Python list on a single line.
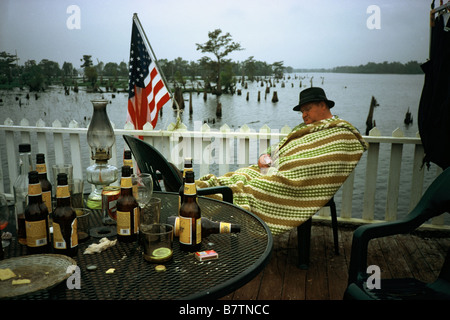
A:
[(223, 150)]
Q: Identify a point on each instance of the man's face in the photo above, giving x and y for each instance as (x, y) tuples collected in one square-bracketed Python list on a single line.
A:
[(314, 111)]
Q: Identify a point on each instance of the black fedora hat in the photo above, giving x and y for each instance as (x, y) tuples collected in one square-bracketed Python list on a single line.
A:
[(313, 94)]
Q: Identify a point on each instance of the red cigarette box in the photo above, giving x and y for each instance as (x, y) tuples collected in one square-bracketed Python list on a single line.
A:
[(206, 255)]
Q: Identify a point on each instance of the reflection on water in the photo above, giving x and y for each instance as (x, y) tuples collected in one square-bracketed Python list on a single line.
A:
[(351, 92)]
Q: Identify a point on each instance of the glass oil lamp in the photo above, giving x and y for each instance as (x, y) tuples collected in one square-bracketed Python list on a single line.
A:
[(101, 138)]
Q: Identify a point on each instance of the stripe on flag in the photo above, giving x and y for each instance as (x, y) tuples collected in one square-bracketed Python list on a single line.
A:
[(147, 93)]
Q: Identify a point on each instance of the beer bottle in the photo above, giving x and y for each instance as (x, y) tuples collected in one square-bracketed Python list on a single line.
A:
[(208, 226), (127, 209), (65, 235), (36, 217), (190, 217), (21, 190), (187, 167), (46, 186), (127, 161)]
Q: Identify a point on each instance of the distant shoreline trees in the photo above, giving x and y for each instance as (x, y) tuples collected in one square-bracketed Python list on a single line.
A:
[(38, 76), (411, 67)]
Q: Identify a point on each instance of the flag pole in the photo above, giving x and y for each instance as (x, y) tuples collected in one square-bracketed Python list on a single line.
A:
[(147, 43)]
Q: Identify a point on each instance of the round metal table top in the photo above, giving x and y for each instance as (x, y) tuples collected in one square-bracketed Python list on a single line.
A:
[(241, 257)]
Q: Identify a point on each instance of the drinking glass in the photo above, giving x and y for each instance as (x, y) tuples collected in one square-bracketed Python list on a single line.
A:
[(142, 188), (83, 215), (157, 242)]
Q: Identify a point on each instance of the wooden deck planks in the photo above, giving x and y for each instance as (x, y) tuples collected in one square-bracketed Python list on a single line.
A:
[(326, 278)]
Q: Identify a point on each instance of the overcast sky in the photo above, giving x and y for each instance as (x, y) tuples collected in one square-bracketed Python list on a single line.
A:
[(301, 33)]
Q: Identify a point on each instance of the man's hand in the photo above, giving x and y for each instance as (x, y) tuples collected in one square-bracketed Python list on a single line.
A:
[(264, 161)]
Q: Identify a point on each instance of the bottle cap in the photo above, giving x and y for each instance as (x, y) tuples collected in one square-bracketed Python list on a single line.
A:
[(160, 268)]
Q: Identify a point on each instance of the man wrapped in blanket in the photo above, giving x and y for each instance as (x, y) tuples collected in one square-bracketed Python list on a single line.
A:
[(297, 177)]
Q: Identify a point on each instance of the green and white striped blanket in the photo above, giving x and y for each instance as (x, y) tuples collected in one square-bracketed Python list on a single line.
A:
[(309, 165)]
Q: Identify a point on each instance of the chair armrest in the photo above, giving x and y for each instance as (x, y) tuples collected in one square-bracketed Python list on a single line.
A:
[(435, 201), (365, 233), (423, 211), (360, 241), (226, 192)]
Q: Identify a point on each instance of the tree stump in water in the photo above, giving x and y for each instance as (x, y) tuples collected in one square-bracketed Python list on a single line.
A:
[(219, 110), (275, 97), (179, 98)]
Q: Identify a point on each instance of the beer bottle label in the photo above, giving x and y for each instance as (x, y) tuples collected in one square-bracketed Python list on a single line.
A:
[(176, 227), (225, 227), (190, 189), (41, 168), (36, 233), (74, 235), (126, 182), (128, 162), (199, 231), (58, 239), (186, 170), (135, 190), (186, 236), (185, 230), (136, 212), (124, 222), (34, 189), (62, 191)]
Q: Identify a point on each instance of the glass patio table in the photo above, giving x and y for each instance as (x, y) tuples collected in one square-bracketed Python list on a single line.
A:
[(241, 257)]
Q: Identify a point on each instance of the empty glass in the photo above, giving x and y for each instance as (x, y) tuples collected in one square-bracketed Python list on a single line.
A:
[(142, 188)]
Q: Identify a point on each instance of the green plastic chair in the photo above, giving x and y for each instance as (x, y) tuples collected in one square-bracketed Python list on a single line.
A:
[(150, 160), (434, 202)]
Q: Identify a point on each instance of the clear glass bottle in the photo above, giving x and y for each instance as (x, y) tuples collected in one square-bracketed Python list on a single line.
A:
[(21, 190), (100, 175)]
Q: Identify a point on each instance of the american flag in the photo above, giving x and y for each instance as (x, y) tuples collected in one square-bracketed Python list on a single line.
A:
[(147, 93)]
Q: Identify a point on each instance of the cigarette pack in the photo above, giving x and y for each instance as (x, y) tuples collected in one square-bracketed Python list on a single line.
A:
[(206, 255)]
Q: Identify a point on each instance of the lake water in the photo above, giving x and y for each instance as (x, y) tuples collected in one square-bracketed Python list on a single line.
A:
[(352, 94)]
